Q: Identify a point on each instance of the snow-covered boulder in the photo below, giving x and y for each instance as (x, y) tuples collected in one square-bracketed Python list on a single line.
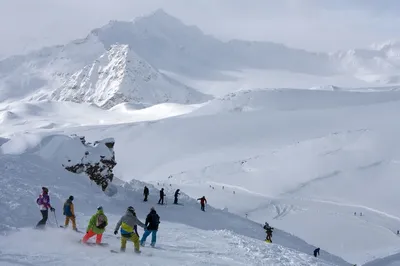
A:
[(73, 153), (97, 161)]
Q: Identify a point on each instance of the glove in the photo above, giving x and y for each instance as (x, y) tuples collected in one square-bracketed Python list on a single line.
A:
[(115, 232), (52, 209)]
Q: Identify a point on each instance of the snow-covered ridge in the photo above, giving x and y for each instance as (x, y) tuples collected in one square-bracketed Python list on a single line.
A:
[(120, 76), (295, 99)]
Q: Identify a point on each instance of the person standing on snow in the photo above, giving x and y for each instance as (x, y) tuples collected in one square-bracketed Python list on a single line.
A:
[(44, 205), (162, 195), (97, 225), (316, 252), (176, 196), (69, 213), (203, 202), (152, 222), (146, 193), (268, 229), (128, 222)]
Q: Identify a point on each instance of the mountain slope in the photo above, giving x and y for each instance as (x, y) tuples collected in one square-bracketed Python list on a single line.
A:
[(120, 76), (184, 230), (169, 44), (298, 158), (43, 70)]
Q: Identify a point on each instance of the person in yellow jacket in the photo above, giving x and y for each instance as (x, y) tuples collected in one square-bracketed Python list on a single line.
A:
[(69, 213), (97, 226), (127, 224)]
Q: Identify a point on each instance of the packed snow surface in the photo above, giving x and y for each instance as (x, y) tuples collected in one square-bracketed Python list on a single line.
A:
[(186, 234)]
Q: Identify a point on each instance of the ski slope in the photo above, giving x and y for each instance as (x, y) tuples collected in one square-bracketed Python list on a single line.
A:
[(305, 166), (186, 234), (304, 160)]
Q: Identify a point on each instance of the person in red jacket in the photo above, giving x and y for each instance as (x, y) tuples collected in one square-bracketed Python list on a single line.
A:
[(203, 202)]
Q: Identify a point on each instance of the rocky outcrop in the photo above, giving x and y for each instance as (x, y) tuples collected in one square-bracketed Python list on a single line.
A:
[(97, 162)]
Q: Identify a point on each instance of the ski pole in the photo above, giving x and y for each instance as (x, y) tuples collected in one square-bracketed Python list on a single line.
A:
[(55, 218)]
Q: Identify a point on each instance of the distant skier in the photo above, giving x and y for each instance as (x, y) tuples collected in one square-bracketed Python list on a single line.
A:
[(269, 230), (152, 222), (44, 205), (128, 223), (146, 193), (69, 213), (176, 196), (97, 225), (162, 195), (316, 252), (203, 202)]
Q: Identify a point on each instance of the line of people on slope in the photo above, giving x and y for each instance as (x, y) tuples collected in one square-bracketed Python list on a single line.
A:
[(127, 226), (99, 221), (146, 193)]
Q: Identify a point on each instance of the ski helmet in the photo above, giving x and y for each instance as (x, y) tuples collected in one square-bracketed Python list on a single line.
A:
[(45, 189), (131, 209), (152, 209), (71, 198), (100, 208)]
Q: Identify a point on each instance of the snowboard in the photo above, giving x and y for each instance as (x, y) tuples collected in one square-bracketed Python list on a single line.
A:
[(78, 231), (141, 253), (93, 244)]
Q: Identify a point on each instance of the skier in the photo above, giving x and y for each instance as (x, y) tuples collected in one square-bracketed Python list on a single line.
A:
[(44, 205), (128, 222), (269, 231), (97, 225), (69, 213), (176, 196), (316, 252), (145, 193), (152, 222), (203, 202), (162, 195)]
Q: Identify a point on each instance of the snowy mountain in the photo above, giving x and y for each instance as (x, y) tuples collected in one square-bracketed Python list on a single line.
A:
[(41, 71), (170, 45), (120, 76), (380, 63)]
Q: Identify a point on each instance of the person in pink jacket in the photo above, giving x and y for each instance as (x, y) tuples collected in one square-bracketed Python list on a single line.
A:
[(44, 205)]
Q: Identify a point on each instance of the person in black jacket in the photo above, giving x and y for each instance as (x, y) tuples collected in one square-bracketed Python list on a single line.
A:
[(316, 252), (162, 194), (145, 193), (152, 222), (176, 196)]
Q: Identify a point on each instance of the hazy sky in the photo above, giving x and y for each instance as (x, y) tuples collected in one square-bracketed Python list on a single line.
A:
[(319, 25)]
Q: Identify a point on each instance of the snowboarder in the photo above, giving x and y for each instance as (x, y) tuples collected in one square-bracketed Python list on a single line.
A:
[(97, 225), (145, 193), (162, 195), (44, 205), (203, 202), (69, 213), (176, 196), (152, 222), (128, 222), (268, 229), (316, 252)]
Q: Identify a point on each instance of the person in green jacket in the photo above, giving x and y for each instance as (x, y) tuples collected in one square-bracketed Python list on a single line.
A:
[(97, 226)]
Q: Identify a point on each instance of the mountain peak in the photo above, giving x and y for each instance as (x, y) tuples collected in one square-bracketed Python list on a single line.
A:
[(119, 76)]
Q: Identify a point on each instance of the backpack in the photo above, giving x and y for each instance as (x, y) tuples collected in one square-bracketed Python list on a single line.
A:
[(155, 219), (39, 201), (101, 221)]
